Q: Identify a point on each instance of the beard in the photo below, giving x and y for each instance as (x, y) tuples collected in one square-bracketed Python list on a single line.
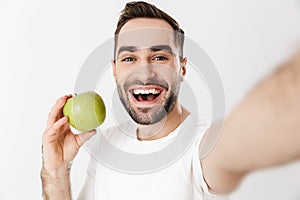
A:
[(157, 112)]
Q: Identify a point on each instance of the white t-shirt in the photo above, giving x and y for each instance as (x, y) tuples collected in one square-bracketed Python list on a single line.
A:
[(182, 180)]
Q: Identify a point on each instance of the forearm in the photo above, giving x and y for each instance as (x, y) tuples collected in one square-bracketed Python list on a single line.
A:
[(56, 184), (264, 129)]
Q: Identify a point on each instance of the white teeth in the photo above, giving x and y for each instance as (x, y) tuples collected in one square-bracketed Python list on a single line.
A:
[(149, 91)]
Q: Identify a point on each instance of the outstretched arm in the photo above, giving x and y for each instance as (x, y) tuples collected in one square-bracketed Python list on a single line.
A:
[(262, 131)]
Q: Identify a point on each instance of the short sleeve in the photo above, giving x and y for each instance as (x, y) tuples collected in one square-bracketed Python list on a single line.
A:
[(199, 184)]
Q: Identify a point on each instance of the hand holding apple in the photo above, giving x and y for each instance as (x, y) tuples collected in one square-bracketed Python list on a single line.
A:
[(86, 111), (59, 147)]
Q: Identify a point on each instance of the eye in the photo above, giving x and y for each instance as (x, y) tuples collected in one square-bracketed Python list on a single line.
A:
[(160, 58), (128, 59)]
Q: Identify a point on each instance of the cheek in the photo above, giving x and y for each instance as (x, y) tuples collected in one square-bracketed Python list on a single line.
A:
[(120, 73), (172, 78), (123, 70)]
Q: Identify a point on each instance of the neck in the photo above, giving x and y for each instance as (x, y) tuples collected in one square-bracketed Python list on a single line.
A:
[(165, 126)]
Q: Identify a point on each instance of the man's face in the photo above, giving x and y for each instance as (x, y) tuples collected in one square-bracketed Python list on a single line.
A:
[(147, 69)]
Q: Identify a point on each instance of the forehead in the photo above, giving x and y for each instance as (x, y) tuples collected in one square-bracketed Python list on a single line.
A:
[(140, 23), (145, 32)]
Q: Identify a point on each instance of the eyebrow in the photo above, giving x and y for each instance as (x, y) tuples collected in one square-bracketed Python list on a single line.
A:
[(152, 48), (161, 48)]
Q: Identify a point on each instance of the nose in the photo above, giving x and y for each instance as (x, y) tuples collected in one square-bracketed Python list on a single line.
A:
[(146, 72), (146, 69)]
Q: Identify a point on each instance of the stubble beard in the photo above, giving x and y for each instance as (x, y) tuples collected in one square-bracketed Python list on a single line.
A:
[(147, 116)]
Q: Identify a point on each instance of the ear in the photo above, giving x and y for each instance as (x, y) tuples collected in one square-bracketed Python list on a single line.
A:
[(113, 64), (183, 67)]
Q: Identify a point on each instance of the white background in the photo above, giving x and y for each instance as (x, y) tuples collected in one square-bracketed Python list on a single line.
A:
[(44, 43)]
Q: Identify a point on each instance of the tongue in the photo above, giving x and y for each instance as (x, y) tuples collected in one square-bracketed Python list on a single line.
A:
[(146, 97)]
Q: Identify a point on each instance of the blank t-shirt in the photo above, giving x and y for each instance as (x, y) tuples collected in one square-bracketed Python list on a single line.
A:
[(181, 180)]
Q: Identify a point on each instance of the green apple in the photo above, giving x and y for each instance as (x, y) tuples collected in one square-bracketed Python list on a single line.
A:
[(86, 111)]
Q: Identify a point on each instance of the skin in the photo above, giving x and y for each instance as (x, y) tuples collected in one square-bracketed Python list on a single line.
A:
[(267, 120), (261, 131), (145, 57), (60, 146)]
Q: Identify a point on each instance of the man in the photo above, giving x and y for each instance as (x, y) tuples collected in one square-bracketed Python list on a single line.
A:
[(262, 131)]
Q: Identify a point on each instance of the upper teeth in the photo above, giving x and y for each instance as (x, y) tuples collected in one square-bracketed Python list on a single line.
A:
[(149, 91)]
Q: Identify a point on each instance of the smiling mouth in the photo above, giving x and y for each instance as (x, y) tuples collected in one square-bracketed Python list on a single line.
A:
[(146, 95)]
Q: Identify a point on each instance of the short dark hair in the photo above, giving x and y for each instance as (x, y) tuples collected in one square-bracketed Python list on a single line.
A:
[(141, 9)]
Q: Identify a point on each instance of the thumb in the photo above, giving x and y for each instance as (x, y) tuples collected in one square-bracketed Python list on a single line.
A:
[(85, 136)]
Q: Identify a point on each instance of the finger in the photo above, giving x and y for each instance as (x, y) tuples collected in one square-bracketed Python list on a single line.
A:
[(65, 127), (52, 131), (56, 110), (85, 136)]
